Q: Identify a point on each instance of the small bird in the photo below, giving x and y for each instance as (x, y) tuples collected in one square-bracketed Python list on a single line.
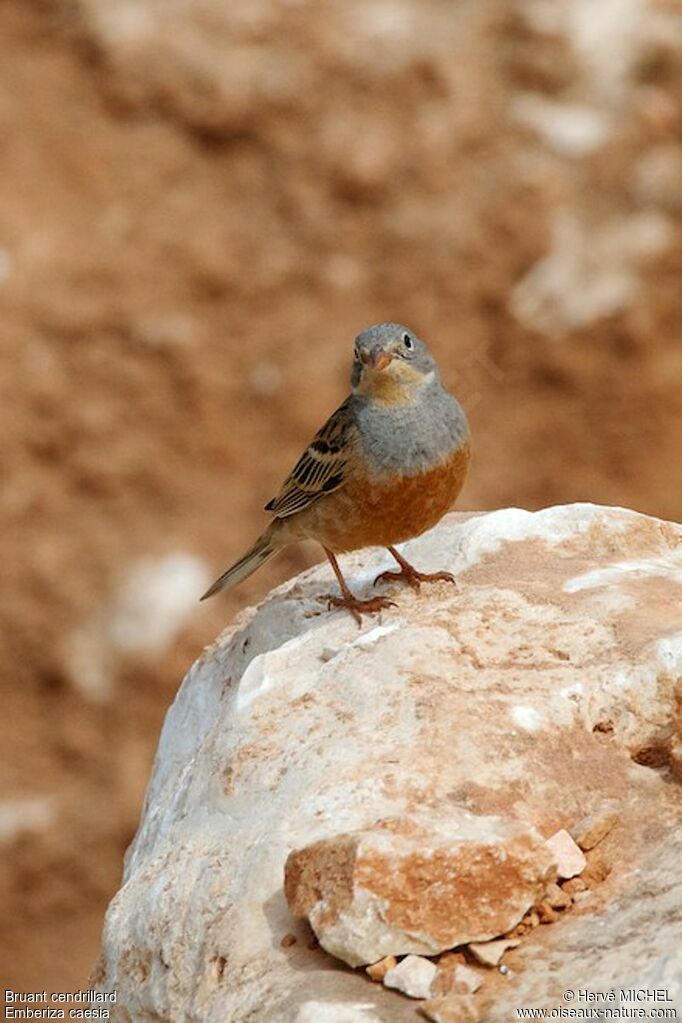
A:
[(385, 467)]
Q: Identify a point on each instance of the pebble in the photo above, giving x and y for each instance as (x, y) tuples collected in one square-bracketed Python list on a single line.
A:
[(466, 978), (597, 870), (570, 859), (590, 831), (546, 914), (456, 979), (576, 884), (557, 898), (489, 953), (413, 976), (377, 971)]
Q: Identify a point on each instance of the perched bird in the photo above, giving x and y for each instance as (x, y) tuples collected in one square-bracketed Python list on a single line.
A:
[(385, 467)]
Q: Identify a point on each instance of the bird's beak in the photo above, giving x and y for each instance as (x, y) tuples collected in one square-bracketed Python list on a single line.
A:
[(377, 358)]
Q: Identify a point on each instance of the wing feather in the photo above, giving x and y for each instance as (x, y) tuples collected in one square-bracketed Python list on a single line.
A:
[(321, 469)]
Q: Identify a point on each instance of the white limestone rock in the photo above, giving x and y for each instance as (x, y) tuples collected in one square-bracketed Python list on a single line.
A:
[(532, 695)]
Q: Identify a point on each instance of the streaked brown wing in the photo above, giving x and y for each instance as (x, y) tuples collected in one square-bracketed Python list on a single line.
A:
[(321, 469)]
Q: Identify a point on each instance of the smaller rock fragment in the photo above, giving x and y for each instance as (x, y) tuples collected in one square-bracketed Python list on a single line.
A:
[(451, 1009), (546, 914), (529, 923), (417, 885), (557, 898), (569, 858), (489, 953), (467, 981), (597, 870), (377, 971), (591, 830), (572, 887), (455, 978), (413, 976), (288, 940)]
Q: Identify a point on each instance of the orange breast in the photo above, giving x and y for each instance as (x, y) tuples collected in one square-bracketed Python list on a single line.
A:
[(367, 512)]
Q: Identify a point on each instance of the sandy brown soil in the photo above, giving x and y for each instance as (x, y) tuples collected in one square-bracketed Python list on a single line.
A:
[(182, 270)]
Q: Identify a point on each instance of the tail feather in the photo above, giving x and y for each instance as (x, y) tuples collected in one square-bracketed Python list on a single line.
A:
[(262, 551)]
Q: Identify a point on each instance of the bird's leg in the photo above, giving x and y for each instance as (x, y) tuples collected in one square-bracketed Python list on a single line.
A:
[(411, 576), (353, 604)]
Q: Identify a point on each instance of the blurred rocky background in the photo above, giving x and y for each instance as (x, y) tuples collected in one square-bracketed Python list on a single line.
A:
[(201, 203)]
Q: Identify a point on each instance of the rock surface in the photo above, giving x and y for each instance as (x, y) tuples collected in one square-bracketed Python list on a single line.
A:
[(543, 689), (450, 1009)]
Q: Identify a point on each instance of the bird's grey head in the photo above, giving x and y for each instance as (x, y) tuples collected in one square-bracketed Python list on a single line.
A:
[(391, 355)]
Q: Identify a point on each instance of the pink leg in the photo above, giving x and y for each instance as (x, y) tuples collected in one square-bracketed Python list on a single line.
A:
[(347, 600)]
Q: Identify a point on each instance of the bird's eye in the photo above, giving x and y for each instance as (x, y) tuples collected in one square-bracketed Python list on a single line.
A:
[(408, 342), (356, 353)]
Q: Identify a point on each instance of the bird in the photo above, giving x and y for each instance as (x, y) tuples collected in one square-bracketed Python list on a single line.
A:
[(385, 467)]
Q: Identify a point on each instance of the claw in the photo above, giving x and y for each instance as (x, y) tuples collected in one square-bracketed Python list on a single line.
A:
[(356, 606), (414, 578), (411, 580)]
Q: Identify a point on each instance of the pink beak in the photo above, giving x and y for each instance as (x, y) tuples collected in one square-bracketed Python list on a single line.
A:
[(377, 359)]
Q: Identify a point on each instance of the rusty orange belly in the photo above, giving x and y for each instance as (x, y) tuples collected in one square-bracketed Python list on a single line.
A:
[(367, 512)]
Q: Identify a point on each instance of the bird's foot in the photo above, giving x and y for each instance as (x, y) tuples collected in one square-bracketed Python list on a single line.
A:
[(415, 578), (356, 606)]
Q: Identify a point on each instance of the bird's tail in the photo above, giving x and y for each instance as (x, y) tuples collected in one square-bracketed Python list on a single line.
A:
[(263, 549)]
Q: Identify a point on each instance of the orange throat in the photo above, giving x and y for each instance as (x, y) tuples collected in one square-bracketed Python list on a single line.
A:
[(394, 386)]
